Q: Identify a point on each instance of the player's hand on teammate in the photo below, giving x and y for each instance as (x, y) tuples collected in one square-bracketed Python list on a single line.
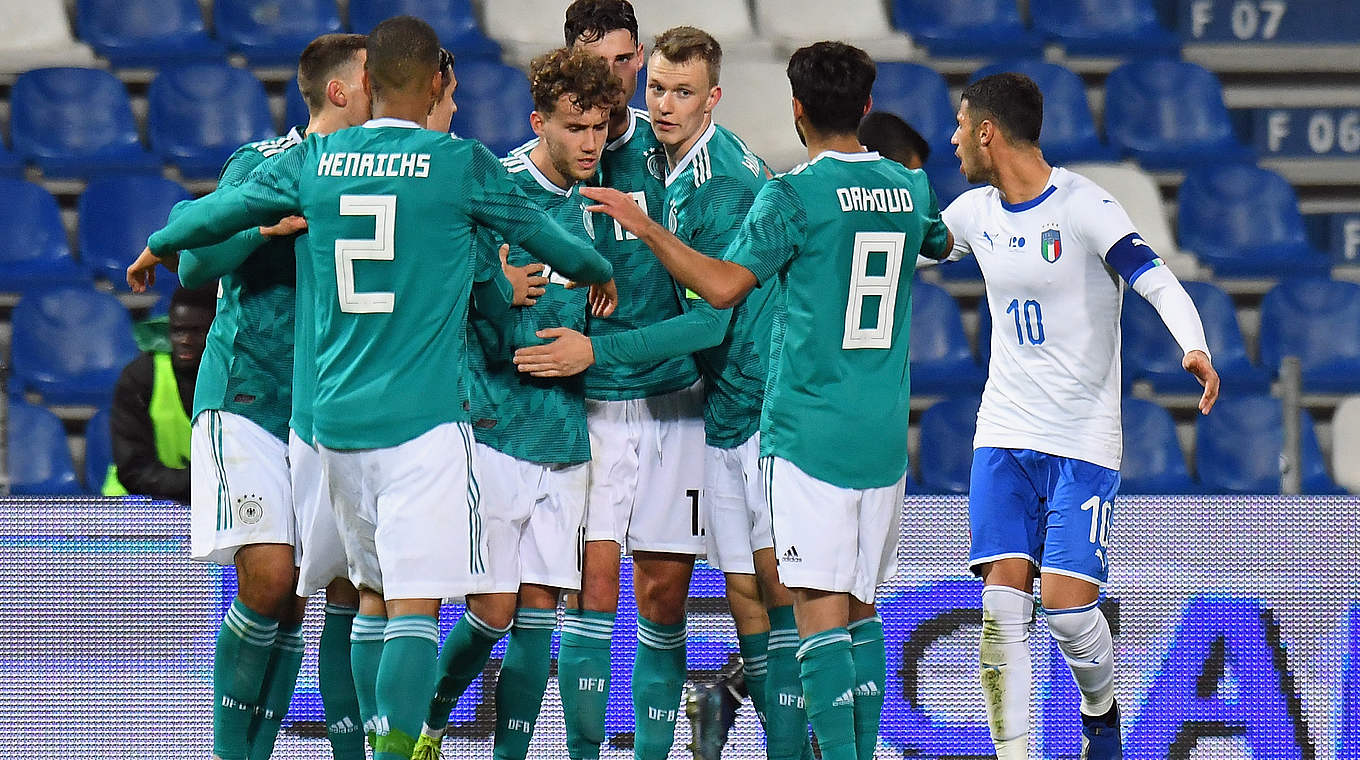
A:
[(619, 205), (142, 273), (1197, 363), (289, 225), (527, 281), (603, 299), (569, 353)]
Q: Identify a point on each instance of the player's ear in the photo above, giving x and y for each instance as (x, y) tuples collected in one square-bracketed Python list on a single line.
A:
[(335, 93), (797, 110), (714, 95), (536, 121), (868, 106)]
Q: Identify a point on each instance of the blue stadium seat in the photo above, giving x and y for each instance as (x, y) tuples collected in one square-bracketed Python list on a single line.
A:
[(147, 32), (946, 453), (1169, 114), (98, 451), (295, 108), (69, 345), (76, 122), (941, 360), (453, 20), (33, 249), (1153, 462), (10, 164), (969, 28), (273, 32), (1151, 354), (920, 96), (1317, 320), (117, 215), (39, 460), (1244, 221), (1238, 448), (1069, 133), (493, 105), (200, 114), (1103, 27)]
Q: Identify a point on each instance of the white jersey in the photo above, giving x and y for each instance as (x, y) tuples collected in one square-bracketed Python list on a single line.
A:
[(1055, 285)]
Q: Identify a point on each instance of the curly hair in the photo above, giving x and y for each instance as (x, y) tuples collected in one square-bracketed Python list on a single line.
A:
[(579, 74)]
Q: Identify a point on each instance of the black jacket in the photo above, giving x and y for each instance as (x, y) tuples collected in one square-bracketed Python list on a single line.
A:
[(134, 440)]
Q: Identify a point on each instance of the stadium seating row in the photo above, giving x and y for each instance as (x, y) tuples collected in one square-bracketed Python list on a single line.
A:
[(1153, 460), (70, 343)]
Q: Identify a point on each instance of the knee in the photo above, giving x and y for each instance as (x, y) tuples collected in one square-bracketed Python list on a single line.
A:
[(1006, 614), (1079, 628), (661, 600), (496, 610)]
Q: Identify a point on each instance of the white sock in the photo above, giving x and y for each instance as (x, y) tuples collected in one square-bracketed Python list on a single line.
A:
[(1005, 668), (1083, 635)]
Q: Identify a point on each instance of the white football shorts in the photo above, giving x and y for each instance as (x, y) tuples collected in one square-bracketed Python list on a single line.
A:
[(647, 472), (534, 517), (320, 550), (832, 538), (736, 514), (239, 492), (410, 515)]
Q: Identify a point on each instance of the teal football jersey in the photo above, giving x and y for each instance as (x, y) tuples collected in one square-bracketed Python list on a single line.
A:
[(841, 234), (392, 213), (634, 164), (247, 366), (535, 419), (304, 344), (709, 192)]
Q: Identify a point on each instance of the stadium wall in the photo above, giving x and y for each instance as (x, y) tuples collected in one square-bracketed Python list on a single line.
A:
[(1237, 626)]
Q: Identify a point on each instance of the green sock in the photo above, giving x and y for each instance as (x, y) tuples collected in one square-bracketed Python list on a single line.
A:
[(365, 655), (786, 734), (335, 679), (871, 674), (523, 679), (244, 645), (405, 683), (583, 668), (828, 675), (464, 655), (753, 647), (658, 677), (277, 692)]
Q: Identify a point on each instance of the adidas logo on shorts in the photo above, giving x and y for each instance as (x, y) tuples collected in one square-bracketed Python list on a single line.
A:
[(791, 555)]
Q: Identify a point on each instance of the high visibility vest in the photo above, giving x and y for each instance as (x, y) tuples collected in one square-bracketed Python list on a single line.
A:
[(169, 423)]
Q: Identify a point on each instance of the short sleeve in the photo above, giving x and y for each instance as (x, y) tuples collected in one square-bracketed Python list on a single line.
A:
[(773, 232), (956, 219)]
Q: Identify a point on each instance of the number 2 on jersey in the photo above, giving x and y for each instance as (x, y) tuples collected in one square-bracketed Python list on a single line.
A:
[(380, 247), (1034, 321), (875, 269)]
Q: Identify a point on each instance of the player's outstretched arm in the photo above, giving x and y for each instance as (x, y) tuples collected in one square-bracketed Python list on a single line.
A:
[(203, 265), (1198, 364), (205, 222), (722, 283)]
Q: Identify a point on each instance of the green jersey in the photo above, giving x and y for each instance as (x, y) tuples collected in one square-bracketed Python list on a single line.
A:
[(535, 419), (709, 192), (247, 366), (304, 345), (392, 212), (634, 163), (841, 234)]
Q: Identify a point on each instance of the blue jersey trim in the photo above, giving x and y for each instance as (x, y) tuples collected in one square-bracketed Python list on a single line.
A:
[(1072, 610), (1029, 204), (1130, 256)]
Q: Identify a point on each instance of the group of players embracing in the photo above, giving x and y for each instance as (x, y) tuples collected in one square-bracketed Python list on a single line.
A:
[(406, 397)]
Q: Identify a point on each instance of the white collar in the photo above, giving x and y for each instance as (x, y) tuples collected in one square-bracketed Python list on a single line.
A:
[(871, 155), (692, 152), (542, 178), (388, 121)]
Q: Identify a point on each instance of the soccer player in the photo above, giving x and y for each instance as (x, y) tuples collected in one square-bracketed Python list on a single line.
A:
[(713, 179), (1056, 252), (532, 443), (646, 429), (891, 137), (386, 204), (841, 233), (242, 500)]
